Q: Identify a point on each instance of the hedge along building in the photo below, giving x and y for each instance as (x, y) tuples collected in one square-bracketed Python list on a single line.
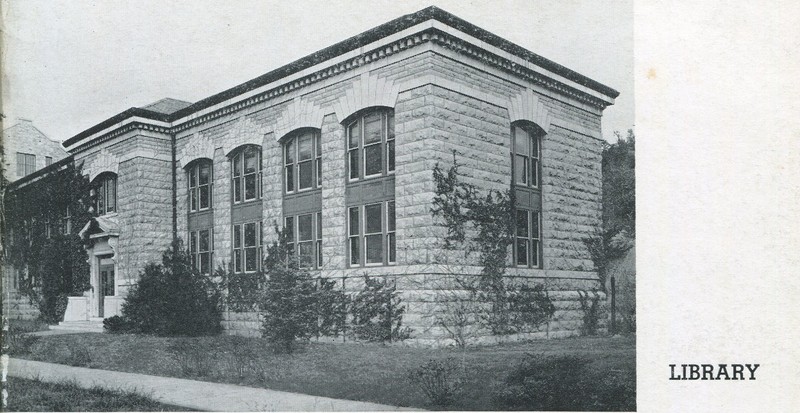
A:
[(340, 146)]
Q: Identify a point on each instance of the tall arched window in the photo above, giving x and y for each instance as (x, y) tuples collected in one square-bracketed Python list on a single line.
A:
[(302, 159), (246, 174), (526, 165), (370, 144), (105, 191), (199, 175)]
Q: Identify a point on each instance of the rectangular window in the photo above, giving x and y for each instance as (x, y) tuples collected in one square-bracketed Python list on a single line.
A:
[(67, 222), (372, 229), (370, 143), (527, 239), (237, 178), (526, 156), (26, 164), (204, 183), (289, 165), (247, 247), (48, 160), (353, 142), (354, 225), (289, 223), (305, 231)]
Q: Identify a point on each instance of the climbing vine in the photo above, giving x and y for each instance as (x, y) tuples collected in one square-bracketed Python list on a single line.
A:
[(51, 262), (484, 223)]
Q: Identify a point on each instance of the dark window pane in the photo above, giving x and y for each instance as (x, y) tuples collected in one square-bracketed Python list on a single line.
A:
[(193, 178), (522, 251), (535, 172), (250, 259), (535, 147), (390, 125), (372, 214), (354, 164), (305, 147), (237, 260), (319, 225), (205, 263), (319, 172), (111, 200), (319, 254), (101, 196), (290, 178), (522, 223), (237, 190), (204, 241), (304, 227), (237, 236), (193, 200), (392, 248), (535, 225), (237, 164), (192, 242), (250, 235), (290, 152), (250, 161), (521, 169), (306, 254), (289, 224), (374, 249), (205, 174), (355, 253), (372, 159), (521, 141), (204, 197), (355, 134), (391, 215), (535, 253), (318, 141), (390, 154), (373, 127), (354, 227), (250, 186), (306, 175)]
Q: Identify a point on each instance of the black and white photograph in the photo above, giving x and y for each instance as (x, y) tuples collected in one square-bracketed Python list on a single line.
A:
[(344, 206)]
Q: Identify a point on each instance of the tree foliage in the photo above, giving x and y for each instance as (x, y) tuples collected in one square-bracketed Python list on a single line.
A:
[(173, 298), (619, 185), (378, 312), (51, 265)]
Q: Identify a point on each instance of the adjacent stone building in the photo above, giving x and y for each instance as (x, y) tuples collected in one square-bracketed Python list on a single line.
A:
[(340, 146)]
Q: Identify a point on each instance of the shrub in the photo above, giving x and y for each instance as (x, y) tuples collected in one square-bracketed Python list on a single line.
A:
[(437, 379), (378, 313), (115, 325), (331, 307), (545, 383), (173, 299), (243, 289), (529, 307), (591, 312), (287, 306)]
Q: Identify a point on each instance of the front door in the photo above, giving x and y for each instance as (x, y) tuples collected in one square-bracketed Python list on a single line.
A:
[(106, 285)]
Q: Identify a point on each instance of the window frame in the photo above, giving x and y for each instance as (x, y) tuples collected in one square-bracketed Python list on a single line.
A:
[(240, 156), (315, 240), (25, 161), (196, 253), (101, 186), (533, 239), (239, 264), (386, 144), (360, 238), (292, 143), (194, 186), (533, 158)]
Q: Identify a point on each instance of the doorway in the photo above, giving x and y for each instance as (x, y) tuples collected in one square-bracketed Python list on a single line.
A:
[(106, 283)]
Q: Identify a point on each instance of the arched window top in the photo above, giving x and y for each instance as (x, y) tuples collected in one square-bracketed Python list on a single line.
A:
[(302, 160), (246, 173), (197, 161), (370, 143), (526, 152), (104, 187)]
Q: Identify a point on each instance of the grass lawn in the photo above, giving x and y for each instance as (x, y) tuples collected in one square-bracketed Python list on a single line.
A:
[(367, 372), (29, 325), (38, 396)]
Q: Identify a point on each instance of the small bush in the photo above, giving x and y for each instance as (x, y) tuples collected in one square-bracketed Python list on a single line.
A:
[(378, 313), (115, 325), (565, 383), (16, 341), (591, 312), (173, 299), (437, 379)]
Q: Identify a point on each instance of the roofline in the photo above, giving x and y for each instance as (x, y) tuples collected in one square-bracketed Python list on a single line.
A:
[(36, 175), (355, 42)]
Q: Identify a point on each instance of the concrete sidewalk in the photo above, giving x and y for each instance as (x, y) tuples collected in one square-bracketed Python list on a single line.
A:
[(192, 394)]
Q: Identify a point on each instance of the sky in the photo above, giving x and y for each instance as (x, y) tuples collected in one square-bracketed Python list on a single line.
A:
[(69, 65)]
